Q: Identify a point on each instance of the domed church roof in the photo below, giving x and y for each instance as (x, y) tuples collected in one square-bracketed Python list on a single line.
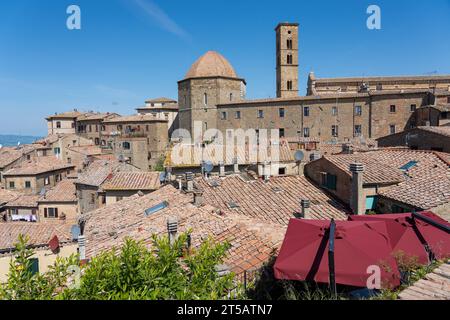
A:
[(211, 64)]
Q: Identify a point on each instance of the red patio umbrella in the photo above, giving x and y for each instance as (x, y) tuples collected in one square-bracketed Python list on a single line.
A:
[(357, 245), (415, 234)]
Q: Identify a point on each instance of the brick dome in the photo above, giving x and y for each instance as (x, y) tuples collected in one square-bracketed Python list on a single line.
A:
[(211, 64)]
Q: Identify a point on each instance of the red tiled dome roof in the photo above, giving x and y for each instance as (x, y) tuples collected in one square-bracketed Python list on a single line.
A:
[(209, 65)]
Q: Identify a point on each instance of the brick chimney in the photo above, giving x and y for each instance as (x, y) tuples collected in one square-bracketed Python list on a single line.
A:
[(357, 198)]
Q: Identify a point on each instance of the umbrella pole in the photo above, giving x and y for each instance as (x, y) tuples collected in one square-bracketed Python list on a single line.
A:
[(431, 222), (331, 270)]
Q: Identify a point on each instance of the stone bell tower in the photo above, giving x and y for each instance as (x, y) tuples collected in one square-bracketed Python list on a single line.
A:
[(287, 59)]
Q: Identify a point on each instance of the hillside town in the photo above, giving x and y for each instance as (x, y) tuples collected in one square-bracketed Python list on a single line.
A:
[(259, 174)]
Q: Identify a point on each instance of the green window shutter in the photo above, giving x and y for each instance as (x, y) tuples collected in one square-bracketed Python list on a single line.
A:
[(331, 181), (45, 213), (34, 265)]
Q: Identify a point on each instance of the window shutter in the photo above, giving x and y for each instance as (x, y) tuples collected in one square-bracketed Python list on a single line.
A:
[(34, 265), (45, 213), (56, 212)]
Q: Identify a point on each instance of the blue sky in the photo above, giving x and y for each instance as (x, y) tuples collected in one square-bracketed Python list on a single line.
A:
[(130, 50)]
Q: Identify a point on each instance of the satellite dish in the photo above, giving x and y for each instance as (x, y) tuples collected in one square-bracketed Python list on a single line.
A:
[(299, 155), (208, 166), (121, 158)]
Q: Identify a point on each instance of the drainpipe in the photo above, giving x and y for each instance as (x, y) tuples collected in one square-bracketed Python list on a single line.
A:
[(357, 199)]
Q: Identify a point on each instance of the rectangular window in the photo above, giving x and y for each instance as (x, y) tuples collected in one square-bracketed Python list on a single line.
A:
[(119, 198), (12, 185), (46, 181), (237, 115), (306, 111), (281, 112), (334, 131), (260, 114), (281, 132), (51, 213), (358, 130), (289, 43), (223, 115), (97, 141), (58, 124), (331, 181), (281, 171), (334, 111), (27, 184), (392, 128), (413, 108), (358, 110), (289, 84), (392, 108), (306, 132)]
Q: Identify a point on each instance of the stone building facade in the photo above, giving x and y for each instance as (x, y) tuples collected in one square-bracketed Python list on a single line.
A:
[(210, 81), (162, 109), (89, 125), (333, 110), (141, 139)]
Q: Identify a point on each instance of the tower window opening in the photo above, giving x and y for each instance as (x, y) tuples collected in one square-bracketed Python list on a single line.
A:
[(205, 99)]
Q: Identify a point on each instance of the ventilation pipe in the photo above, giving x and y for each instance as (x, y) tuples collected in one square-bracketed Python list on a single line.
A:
[(198, 197), (305, 205), (172, 228), (189, 181), (82, 247), (357, 198), (236, 165), (221, 169)]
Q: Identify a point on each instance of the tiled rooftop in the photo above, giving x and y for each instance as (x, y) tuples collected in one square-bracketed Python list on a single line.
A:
[(134, 118), (434, 286), (424, 185), (7, 196), (275, 201), (87, 150), (64, 191), (96, 116), (442, 130), (376, 171), (24, 201), (252, 241), (39, 234), (132, 181), (37, 166), (9, 155), (190, 155), (97, 172)]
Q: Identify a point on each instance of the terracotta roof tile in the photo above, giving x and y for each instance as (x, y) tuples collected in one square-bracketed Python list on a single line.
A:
[(37, 166), (275, 201), (251, 240), (132, 181), (7, 196), (64, 191), (97, 172), (39, 234), (24, 201)]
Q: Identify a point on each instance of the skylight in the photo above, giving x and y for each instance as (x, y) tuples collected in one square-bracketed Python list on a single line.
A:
[(233, 205), (156, 208), (408, 166)]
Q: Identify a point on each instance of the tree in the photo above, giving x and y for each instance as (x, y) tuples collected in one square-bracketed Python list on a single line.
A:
[(165, 271)]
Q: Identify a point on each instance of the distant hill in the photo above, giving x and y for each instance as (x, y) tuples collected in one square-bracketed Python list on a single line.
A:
[(12, 140)]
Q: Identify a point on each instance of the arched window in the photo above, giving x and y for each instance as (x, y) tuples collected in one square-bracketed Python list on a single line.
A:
[(289, 43), (205, 99), (289, 84), (289, 59)]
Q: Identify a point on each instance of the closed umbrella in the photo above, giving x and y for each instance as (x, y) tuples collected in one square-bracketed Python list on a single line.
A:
[(422, 236), (357, 246)]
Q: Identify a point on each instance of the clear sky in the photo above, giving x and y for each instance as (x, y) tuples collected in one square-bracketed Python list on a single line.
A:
[(131, 50)]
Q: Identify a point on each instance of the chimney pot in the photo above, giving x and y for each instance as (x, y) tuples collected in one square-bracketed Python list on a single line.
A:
[(221, 169), (357, 198), (82, 247), (236, 165), (198, 197), (189, 181), (172, 228)]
